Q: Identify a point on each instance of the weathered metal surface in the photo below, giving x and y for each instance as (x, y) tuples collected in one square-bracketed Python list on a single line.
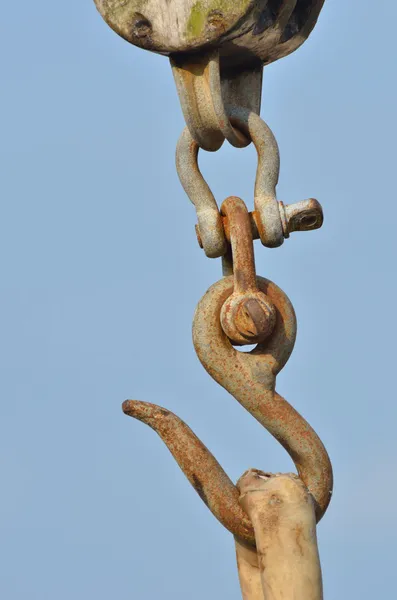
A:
[(301, 216), (270, 221), (247, 316), (245, 30), (217, 50), (306, 215), (265, 199), (203, 94), (250, 378), (209, 219), (198, 464)]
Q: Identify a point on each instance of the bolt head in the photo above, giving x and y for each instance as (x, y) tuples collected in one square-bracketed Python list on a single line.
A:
[(248, 318)]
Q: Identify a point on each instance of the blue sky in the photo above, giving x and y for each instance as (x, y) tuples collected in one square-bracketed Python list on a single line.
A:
[(97, 236)]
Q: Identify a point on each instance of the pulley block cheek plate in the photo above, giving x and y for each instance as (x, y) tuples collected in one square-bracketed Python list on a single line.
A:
[(169, 26), (243, 30)]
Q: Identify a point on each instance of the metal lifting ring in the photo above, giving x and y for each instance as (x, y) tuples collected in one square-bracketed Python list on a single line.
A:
[(250, 378)]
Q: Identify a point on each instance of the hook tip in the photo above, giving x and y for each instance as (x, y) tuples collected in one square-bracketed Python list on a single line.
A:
[(148, 413), (128, 407), (137, 410)]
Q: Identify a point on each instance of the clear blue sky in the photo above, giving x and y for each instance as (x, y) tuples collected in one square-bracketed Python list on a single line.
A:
[(97, 236)]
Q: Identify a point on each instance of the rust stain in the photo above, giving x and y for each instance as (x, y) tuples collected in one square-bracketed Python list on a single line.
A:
[(299, 534)]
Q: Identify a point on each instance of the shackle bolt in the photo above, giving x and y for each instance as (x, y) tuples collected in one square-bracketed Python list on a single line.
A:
[(306, 215)]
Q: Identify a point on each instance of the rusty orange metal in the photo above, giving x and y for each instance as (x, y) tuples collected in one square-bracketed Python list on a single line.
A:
[(250, 378), (247, 316)]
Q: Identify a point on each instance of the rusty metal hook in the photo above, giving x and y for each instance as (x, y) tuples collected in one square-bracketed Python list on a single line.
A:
[(251, 379)]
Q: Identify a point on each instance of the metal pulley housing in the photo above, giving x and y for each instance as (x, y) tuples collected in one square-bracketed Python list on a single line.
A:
[(243, 30), (217, 50)]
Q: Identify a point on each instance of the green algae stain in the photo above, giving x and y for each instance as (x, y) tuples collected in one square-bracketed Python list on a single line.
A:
[(203, 8), (196, 23)]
